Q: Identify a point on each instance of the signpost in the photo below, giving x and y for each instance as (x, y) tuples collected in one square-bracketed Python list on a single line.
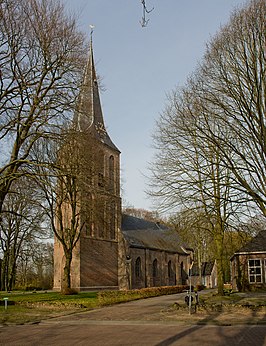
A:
[(5, 300), (190, 293)]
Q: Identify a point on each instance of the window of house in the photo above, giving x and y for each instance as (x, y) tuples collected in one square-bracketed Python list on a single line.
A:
[(155, 268), (138, 268), (254, 271)]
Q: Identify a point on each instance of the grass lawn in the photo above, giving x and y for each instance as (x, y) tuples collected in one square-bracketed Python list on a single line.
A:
[(245, 299), (25, 307)]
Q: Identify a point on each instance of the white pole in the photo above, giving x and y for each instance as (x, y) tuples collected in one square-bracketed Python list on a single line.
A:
[(189, 301), (5, 300)]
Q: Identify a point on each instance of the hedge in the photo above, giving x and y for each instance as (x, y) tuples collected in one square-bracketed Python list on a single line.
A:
[(109, 297)]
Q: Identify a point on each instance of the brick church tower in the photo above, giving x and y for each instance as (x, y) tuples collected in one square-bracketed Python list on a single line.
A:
[(95, 257)]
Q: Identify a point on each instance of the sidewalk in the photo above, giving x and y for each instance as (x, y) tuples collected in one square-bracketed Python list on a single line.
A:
[(171, 309), (148, 322)]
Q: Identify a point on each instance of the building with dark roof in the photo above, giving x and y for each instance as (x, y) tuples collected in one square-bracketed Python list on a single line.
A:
[(248, 265), (114, 251), (155, 255), (205, 275)]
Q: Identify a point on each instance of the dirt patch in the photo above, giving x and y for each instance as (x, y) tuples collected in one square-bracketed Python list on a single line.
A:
[(217, 314)]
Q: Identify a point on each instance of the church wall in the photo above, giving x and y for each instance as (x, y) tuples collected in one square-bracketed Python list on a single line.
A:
[(157, 268), (58, 264), (156, 279), (138, 275), (99, 265), (170, 269), (75, 268), (102, 217), (112, 176)]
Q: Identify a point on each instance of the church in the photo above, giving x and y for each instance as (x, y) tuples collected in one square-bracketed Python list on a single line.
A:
[(114, 251)]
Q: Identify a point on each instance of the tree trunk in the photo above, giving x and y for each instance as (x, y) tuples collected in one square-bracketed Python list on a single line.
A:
[(200, 267), (66, 283), (4, 278), (12, 276), (219, 263)]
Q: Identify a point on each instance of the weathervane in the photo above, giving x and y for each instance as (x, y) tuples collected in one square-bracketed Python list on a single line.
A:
[(91, 27), (144, 21)]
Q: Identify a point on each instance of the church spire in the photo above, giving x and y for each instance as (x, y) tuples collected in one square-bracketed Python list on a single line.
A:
[(89, 112)]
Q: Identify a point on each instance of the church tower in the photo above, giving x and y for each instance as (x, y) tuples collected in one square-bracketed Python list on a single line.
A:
[(95, 257)]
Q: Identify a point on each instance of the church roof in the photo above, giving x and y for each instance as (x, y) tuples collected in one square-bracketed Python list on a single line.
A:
[(152, 235), (89, 116)]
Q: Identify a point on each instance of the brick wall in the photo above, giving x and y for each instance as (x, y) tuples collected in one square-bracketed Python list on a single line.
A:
[(99, 264), (167, 263)]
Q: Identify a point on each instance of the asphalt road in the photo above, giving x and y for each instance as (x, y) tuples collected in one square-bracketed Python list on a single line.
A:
[(146, 322)]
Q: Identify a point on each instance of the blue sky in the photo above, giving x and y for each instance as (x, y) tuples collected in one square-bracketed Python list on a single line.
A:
[(139, 66)]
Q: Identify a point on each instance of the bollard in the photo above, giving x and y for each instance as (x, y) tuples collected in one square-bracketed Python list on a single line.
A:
[(5, 300), (196, 301), (197, 297)]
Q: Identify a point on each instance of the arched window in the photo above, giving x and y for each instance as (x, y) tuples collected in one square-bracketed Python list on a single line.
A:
[(155, 268), (169, 269), (100, 164), (138, 268), (111, 173)]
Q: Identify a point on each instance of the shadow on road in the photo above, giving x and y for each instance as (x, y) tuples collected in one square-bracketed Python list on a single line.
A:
[(178, 336), (188, 331), (246, 335)]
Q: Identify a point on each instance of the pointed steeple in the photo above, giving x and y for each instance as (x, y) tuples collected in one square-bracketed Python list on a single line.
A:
[(89, 117)]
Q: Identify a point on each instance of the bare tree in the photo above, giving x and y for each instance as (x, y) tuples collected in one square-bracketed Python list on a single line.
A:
[(211, 137), (60, 190), (188, 172), (22, 220), (35, 265), (41, 65), (193, 228), (144, 21), (143, 214), (67, 186), (230, 90)]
